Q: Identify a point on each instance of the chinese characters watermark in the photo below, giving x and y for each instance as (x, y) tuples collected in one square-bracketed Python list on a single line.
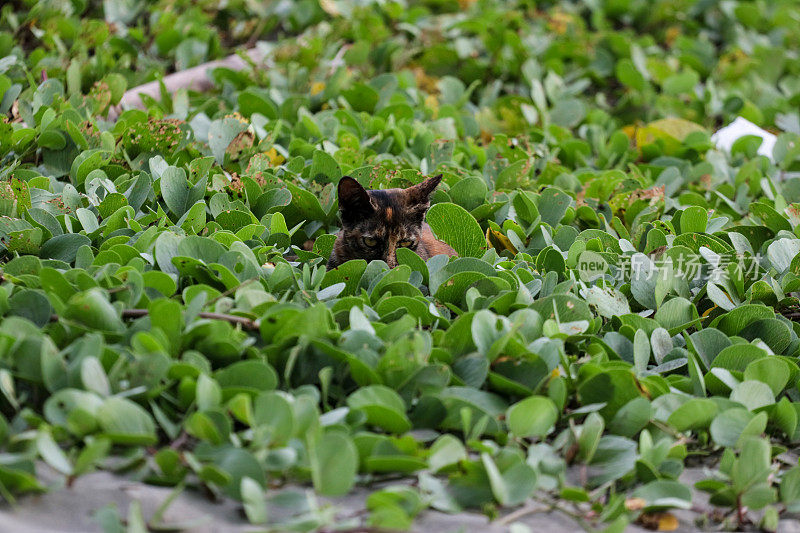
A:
[(693, 267)]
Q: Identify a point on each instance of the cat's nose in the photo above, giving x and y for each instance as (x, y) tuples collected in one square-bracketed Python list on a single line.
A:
[(391, 260)]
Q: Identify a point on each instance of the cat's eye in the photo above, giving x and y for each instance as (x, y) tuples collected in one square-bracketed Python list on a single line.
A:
[(406, 243), (371, 241)]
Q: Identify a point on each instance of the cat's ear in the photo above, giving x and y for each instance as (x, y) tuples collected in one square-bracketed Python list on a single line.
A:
[(353, 199), (421, 192)]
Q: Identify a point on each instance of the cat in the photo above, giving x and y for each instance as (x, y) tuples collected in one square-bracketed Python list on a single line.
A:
[(377, 222)]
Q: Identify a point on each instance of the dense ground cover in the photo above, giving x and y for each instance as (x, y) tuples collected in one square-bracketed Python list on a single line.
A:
[(622, 305)]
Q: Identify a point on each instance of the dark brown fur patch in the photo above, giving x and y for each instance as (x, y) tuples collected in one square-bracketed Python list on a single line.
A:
[(375, 223)]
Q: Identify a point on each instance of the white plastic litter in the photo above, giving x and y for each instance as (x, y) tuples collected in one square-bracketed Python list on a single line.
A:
[(725, 137)]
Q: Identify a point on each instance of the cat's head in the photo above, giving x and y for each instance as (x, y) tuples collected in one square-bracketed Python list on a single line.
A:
[(377, 222)]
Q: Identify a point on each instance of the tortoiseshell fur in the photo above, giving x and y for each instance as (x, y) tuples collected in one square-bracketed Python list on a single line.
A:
[(388, 216)]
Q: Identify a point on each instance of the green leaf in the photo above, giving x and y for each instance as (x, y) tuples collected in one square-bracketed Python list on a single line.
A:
[(52, 454), (94, 377), (125, 422), (30, 304), (255, 506), (511, 485), (236, 464), (628, 75), (209, 394), (246, 376), (136, 521), (614, 388), (770, 370), (664, 494), (178, 193), (485, 330), (785, 417), (562, 307), (694, 219), (469, 192), (790, 487), (86, 162), (532, 417), (446, 451), (735, 321), (361, 97), (678, 84), (738, 357), (553, 203), (697, 413), (383, 406), (516, 175), (731, 425), (775, 333), (64, 247), (274, 415), (631, 418), (454, 225), (255, 100), (753, 394), (590, 435), (221, 133), (613, 459), (641, 351), (753, 465), (93, 310), (477, 402), (324, 168), (334, 462)]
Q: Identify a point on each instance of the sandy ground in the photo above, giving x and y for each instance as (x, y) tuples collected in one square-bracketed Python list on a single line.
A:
[(68, 510)]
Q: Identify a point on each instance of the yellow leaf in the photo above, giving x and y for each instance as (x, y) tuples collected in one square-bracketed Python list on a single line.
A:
[(675, 127), (635, 504), (708, 311), (630, 131), (667, 522), (499, 241), (329, 7), (658, 521), (671, 131), (275, 158), (560, 22), (429, 84), (644, 390), (317, 87), (672, 34), (238, 116), (433, 103)]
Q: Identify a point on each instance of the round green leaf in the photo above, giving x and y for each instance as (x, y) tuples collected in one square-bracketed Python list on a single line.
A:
[(334, 463), (532, 417), (753, 394), (454, 225), (383, 406), (696, 413), (125, 422)]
